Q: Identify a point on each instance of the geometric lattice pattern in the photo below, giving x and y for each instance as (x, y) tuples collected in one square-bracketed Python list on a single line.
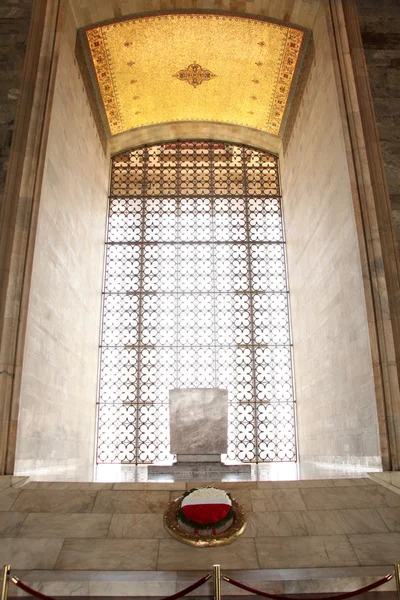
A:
[(195, 296)]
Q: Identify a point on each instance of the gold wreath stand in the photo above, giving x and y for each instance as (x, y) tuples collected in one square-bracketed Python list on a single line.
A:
[(219, 539)]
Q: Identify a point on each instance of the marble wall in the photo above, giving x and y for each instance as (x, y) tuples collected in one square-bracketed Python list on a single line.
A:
[(101, 527), (59, 380), (337, 419), (380, 30), (60, 356), (14, 27)]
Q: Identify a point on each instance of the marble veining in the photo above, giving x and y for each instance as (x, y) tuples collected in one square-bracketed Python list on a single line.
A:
[(58, 501), (291, 525), (344, 497), (277, 523), (63, 525), (320, 551), (131, 501), (330, 522), (239, 555), (377, 548), (269, 500), (391, 516), (10, 523), (138, 526), (24, 553), (108, 554), (199, 421)]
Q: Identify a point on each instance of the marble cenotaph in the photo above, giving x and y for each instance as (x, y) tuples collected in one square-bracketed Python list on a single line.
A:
[(199, 433)]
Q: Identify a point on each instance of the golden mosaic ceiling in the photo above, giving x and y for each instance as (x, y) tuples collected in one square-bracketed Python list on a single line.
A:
[(194, 67)]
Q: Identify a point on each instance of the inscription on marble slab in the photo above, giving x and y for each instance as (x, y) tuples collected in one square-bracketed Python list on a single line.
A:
[(199, 421)]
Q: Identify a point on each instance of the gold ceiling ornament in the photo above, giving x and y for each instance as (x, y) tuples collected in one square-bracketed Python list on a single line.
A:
[(194, 75), (235, 52)]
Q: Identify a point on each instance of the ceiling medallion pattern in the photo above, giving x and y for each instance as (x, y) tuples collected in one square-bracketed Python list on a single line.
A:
[(194, 75), (238, 52)]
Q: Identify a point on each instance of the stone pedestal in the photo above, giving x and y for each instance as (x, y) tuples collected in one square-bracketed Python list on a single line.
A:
[(199, 433), (199, 422)]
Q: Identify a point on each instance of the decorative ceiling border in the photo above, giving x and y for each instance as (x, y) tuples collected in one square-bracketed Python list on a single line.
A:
[(90, 38)]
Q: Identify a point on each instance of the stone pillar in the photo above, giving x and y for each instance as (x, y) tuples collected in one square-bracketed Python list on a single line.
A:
[(20, 206), (15, 18)]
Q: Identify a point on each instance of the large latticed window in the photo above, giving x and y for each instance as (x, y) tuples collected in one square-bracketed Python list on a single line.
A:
[(195, 295)]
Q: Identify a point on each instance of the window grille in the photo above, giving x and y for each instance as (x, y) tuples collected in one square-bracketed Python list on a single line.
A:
[(195, 295)]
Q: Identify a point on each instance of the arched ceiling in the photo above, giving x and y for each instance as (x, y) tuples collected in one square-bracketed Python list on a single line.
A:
[(298, 12), (194, 66)]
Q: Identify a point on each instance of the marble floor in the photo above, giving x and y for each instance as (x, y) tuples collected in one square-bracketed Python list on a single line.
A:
[(108, 539)]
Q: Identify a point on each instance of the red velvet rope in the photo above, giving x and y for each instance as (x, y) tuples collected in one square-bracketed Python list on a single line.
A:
[(190, 588), (366, 588), (41, 596), (30, 591)]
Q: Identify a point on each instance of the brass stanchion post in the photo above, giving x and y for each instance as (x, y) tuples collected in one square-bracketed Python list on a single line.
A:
[(397, 576), (4, 583), (217, 582)]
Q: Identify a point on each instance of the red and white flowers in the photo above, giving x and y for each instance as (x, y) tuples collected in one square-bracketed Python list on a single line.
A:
[(206, 505)]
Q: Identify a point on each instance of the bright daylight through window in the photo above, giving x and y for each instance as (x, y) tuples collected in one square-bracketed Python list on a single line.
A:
[(195, 295)]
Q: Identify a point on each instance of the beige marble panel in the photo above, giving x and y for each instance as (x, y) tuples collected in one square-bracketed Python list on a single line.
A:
[(175, 495), (5, 482), (344, 497), (294, 552), (137, 526), (8, 497), (352, 520), (298, 484), (352, 481), (376, 549), (127, 588), (11, 480), (336, 584), (68, 485), (232, 485), (239, 555), (62, 501), (276, 523), (63, 282), (335, 388), (24, 553), (103, 587), (390, 479), (10, 523), (55, 588), (392, 498), (65, 525), (118, 555), (152, 486), (391, 517), (242, 496), (131, 502), (284, 500)]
